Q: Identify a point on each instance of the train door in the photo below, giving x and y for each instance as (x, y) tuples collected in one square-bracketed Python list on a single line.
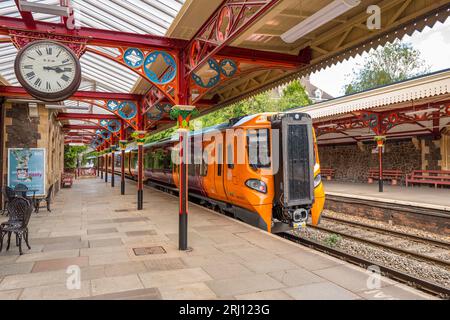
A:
[(235, 145), (194, 166), (219, 173)]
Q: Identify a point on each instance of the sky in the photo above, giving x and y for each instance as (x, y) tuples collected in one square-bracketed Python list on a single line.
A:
[(433, 43)]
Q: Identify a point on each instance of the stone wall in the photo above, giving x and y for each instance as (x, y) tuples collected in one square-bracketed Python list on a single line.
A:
[(34, 129), (352, 161)]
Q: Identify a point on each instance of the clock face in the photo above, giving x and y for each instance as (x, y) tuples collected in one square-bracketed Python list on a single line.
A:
[(48, 70)]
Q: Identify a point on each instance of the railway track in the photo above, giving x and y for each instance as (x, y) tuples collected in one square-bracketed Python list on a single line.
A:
[(411, 280), (436, 242), (403, 243), (391, 272)]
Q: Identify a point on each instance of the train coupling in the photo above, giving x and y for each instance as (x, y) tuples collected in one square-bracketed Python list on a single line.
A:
[(299, 218)]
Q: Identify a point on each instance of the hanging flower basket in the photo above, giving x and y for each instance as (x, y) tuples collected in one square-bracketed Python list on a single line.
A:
[(123, 144), (183, 115), (139, 136), (380, 140)]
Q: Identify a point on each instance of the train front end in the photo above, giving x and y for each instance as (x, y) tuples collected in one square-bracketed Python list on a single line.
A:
[(298, 190)]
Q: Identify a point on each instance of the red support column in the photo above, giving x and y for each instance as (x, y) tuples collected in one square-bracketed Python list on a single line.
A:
[(380, 145), (106, 166), (113, 149), (140, 141), (183, 189), (123, 145), (183, 115), (102, 164)]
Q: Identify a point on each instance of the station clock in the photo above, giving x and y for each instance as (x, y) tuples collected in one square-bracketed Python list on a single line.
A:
[(48, 70)]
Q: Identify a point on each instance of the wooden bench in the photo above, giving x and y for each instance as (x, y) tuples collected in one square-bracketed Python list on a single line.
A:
[(389, 174), (66, 180), (327, 172), (433, 177)]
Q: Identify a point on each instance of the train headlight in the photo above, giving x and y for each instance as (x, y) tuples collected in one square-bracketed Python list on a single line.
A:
[(317, 180), (257, 185)]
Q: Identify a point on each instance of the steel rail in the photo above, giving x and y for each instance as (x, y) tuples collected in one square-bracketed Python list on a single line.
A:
[(436, 242), (428, 286), (417, 255)]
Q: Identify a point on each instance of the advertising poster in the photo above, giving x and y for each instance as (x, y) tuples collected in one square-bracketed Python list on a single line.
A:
[(27, 166)]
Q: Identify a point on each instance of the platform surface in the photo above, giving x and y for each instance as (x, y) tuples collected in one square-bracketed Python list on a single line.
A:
[(93, 228), (419, 196)]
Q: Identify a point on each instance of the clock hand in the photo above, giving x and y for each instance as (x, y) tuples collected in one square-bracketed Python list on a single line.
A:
[(56, 68)]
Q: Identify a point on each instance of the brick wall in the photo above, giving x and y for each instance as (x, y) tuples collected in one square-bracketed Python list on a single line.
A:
[(40, 131), (352, 162)]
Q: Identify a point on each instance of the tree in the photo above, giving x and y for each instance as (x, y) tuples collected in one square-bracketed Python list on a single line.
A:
[(294, 95), (71, 154), (394, 62)]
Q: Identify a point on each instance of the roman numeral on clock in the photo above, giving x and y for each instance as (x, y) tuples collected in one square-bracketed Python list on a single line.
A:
[(28, 66), (65, 77), (39, 52), (30, 75), (49, 50), (48, 86), (38, 82)]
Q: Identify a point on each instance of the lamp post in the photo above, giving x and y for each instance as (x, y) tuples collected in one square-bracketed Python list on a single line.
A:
[(380, 145), (183, 114), (123, 146), (140, 139)]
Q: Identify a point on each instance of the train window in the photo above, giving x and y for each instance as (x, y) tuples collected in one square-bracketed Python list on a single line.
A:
[(134, 158), (219, 160), (258, 148), (167, 161), (148, 160), (204, 166), (230, 157)]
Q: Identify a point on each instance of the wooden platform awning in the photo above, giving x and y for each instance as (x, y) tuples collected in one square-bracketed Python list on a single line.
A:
[(419, 106), (207, 53)]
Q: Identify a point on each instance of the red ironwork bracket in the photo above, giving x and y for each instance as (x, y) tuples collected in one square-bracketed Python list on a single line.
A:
[(95, 37), (103, 103), (230, 19), (139, 57), (21, 38), (87, 116), (11, 91)]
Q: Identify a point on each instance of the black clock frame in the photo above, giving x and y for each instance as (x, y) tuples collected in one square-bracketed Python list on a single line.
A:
[(44, 96)]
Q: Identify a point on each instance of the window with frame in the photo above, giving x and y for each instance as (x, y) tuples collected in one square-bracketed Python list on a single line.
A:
[(258, 148)]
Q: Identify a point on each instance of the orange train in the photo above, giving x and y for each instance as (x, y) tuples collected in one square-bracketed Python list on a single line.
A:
[(263, 169)]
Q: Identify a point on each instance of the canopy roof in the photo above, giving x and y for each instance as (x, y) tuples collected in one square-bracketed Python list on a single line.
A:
[(243, 58), (408, 108)]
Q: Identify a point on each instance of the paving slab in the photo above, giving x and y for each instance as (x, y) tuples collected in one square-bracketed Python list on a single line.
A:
[(96, 229)]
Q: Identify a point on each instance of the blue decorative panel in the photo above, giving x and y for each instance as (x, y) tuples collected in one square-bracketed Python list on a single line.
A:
[(114, 125), (170, 73), (228, 67), (106, 134), (212, 78), (127, 110), (113, 105), (133, 57)]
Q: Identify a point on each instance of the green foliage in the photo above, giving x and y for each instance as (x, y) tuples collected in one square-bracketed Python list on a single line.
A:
[(332, 240), (71, 154), (294, 95), (160, 135), (394, 62)]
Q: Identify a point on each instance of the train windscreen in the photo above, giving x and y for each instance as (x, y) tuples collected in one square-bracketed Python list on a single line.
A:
[(298, 161)]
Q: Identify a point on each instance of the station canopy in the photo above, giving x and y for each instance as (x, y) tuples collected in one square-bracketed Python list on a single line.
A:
[(251, 46)]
